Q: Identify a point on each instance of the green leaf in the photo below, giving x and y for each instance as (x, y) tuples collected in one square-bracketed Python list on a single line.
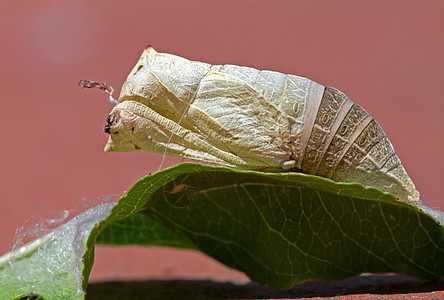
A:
[(280, 229), (52, 266)]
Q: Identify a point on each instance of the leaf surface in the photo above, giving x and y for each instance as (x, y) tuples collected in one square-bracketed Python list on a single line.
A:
[(280, 229)]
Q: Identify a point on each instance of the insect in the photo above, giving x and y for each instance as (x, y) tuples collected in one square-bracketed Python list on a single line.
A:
[(254, 120), (179, 188), (181, 195)]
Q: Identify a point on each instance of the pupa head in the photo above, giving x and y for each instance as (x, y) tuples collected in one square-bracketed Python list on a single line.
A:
[(121, 127)]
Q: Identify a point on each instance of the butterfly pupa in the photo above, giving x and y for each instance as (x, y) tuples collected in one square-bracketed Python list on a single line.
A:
[(253, 120)]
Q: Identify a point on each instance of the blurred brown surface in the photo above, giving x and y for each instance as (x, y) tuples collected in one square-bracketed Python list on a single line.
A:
[(359, 287), (387, 56)]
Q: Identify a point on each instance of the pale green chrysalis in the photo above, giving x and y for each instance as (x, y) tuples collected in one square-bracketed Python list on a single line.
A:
[(254, 120)]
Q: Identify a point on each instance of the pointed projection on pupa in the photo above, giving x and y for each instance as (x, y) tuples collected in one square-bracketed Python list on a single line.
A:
[(254, 120)]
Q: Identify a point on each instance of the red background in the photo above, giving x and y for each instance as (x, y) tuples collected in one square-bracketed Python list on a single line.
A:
[(387, 56)]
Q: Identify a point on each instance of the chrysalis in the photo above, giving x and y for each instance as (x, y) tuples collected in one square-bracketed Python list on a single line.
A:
[(250, 119)]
